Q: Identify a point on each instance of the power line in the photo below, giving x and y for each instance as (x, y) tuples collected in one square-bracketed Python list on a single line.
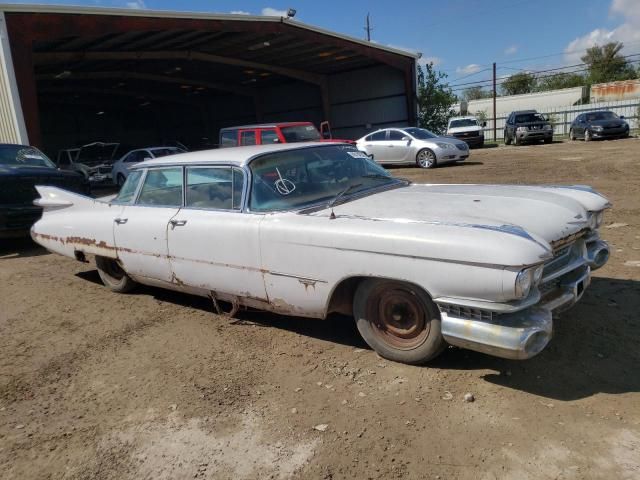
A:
[(478, 82), (471, 74), (541, 77)]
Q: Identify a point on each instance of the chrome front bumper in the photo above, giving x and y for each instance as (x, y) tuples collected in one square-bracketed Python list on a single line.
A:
[(525, 333)]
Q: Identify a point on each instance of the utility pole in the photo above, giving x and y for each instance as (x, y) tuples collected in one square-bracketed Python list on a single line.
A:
[(368, 29), (494, 102)]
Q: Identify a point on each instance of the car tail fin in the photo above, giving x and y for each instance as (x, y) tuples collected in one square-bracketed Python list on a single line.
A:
[(54, 198)]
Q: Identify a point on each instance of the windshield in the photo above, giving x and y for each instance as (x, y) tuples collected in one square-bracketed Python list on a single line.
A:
[(420, 133), (300, 133), (530, 117), (22, 156), (601, 116), (292, 180), (463, 122), (96, 153)]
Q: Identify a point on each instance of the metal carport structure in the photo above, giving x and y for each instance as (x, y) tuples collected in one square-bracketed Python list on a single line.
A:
[(70, 74)]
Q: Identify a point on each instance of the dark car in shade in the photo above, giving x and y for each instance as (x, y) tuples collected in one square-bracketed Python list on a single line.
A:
[(602, 124), (22, 168)]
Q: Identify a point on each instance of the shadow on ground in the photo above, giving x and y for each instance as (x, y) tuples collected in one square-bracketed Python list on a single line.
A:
[(594, 349), (20, 248)]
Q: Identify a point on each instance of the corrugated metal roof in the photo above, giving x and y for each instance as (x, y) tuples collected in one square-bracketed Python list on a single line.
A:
[(130, 12)]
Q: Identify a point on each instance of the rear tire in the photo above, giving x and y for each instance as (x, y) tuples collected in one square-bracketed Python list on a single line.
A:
[(398, 320), (113, 276)]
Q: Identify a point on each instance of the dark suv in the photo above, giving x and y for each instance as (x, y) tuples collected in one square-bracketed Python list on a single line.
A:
[(527, 126)]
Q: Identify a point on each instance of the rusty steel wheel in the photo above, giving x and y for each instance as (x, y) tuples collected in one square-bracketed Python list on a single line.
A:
[(398, 320), (113, 276)]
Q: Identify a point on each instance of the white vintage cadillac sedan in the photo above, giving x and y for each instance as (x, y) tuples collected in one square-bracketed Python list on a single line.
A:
[(311, 229)]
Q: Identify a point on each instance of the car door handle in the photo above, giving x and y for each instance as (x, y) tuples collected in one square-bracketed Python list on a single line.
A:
[(177, 223), (121, 221)]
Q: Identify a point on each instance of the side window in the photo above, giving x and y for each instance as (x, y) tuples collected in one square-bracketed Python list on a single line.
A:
[(248, 137), (218, 188), (229, 138), (132, 157), (269, 137), (129, 188), (378, 136), (396, 135), (162, 187)]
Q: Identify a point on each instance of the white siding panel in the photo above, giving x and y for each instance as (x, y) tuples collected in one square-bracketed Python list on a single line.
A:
[(12, 128)]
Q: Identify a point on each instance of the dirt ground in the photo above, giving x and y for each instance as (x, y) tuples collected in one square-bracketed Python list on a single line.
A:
[(153, 385)]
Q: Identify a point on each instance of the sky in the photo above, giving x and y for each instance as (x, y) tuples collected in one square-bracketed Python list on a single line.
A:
[(461, 37)]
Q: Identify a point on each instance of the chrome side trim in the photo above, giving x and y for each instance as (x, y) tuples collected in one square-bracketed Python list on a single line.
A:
[(297, 277)]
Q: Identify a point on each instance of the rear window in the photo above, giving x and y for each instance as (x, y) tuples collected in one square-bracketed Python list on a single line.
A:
[(300, 133), (229, 138), (22, 156)]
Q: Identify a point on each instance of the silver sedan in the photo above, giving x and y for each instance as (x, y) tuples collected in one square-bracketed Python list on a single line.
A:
[(412, 146)]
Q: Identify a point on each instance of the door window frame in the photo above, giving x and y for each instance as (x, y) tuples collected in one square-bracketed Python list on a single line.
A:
[(233, 168)]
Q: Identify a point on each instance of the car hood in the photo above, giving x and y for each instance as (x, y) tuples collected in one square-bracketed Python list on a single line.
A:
[(545, 214), (443, 139), (607, 123), (470, 128)]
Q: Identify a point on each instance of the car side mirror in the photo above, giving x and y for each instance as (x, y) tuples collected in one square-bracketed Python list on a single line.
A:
[(484, 124), (621, 117), (407, 139)]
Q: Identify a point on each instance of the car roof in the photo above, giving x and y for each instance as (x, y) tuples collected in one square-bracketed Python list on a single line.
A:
[(267, 125), (237, 156), (517, 112), (465, 117)]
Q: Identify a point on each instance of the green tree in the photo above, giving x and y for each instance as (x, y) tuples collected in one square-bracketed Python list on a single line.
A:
[(560, 80), (519, 83), (435, 99), (475, 93), (606, 64)]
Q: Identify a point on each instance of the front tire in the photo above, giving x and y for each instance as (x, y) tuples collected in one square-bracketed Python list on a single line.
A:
[(516, 141), (572, 136), (113, 276), (426, 158), (587, 136), (507, 138), (398, 320)]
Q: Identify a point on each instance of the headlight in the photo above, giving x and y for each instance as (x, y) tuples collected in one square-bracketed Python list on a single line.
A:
[(595, 219), (526, 279), (444, 145), (521, 129), (597, 127)]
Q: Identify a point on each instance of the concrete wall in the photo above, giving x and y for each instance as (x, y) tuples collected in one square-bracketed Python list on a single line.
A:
[(12, 128)]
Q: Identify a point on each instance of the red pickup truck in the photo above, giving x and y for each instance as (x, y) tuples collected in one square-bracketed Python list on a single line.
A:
[(281, 132)]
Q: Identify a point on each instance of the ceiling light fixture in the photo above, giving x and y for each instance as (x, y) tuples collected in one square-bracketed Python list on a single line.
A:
[(258, 46)]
